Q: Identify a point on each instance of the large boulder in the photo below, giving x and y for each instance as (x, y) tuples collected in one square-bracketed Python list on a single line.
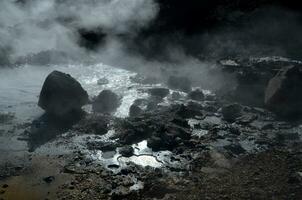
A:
[(61, 94), (106, 102), (283, 94), (252, 76)]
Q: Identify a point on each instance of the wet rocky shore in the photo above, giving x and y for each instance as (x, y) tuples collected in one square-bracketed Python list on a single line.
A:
[(178, 142)]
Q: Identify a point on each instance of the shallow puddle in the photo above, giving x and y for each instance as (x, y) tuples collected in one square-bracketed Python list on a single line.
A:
[(142, 160), (143, 156)]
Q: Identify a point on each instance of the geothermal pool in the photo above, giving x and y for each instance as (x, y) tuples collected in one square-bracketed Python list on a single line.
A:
[(20, 87)]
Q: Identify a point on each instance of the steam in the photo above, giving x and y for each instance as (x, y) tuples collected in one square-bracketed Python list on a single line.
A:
[(32, 26), (267, 31)]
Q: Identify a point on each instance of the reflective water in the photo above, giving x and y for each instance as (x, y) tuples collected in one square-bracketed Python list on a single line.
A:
[(20, 87), (143, 156)]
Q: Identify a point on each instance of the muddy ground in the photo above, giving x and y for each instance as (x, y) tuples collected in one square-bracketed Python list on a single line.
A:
[(180, 148)]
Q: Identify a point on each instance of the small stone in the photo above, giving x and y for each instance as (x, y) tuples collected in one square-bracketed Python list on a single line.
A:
[(196, 95), (235, 149), (106, 102), (231, 112), (295, 178), (287, 136), (135, 110), (49, 179), (155, 143), (176, 96), (235, 130), (126, 151)]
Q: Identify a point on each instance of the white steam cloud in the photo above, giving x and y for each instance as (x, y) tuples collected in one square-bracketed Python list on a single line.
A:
[(32, 26)]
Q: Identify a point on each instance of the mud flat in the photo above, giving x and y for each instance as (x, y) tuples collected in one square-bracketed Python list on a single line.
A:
[(213, 148)]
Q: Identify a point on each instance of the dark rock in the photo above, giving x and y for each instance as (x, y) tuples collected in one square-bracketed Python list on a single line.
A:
[(106, 102), (153, 103), (135, 110), (126, 151), (235, 149), (267, 126), (246, 119), (159, 92), (251, 83), (295, 178), (282, 136), (190, 110), (283, 94), (176, 96), (211, 108), (179, 83), (176, 131), (49, 179), (4, 186), (101, 145), (93, 124), (196, 95), (132, 130), (234, 130), (138, 107), (181, 122), (113, 166), (250, 94), (231, 112), (253, 76), (163, 123), (168, 137), (62, 94), (210, 97), (141, 106), (126, 171), (154, 143)]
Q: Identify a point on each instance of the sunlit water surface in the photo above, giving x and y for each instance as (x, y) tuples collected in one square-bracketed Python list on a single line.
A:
[(20, 87)]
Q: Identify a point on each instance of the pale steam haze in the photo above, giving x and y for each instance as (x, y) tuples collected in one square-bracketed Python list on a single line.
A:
[(40, 25)]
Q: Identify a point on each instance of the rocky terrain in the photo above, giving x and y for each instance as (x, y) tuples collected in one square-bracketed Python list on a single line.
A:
[(178, 142)]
